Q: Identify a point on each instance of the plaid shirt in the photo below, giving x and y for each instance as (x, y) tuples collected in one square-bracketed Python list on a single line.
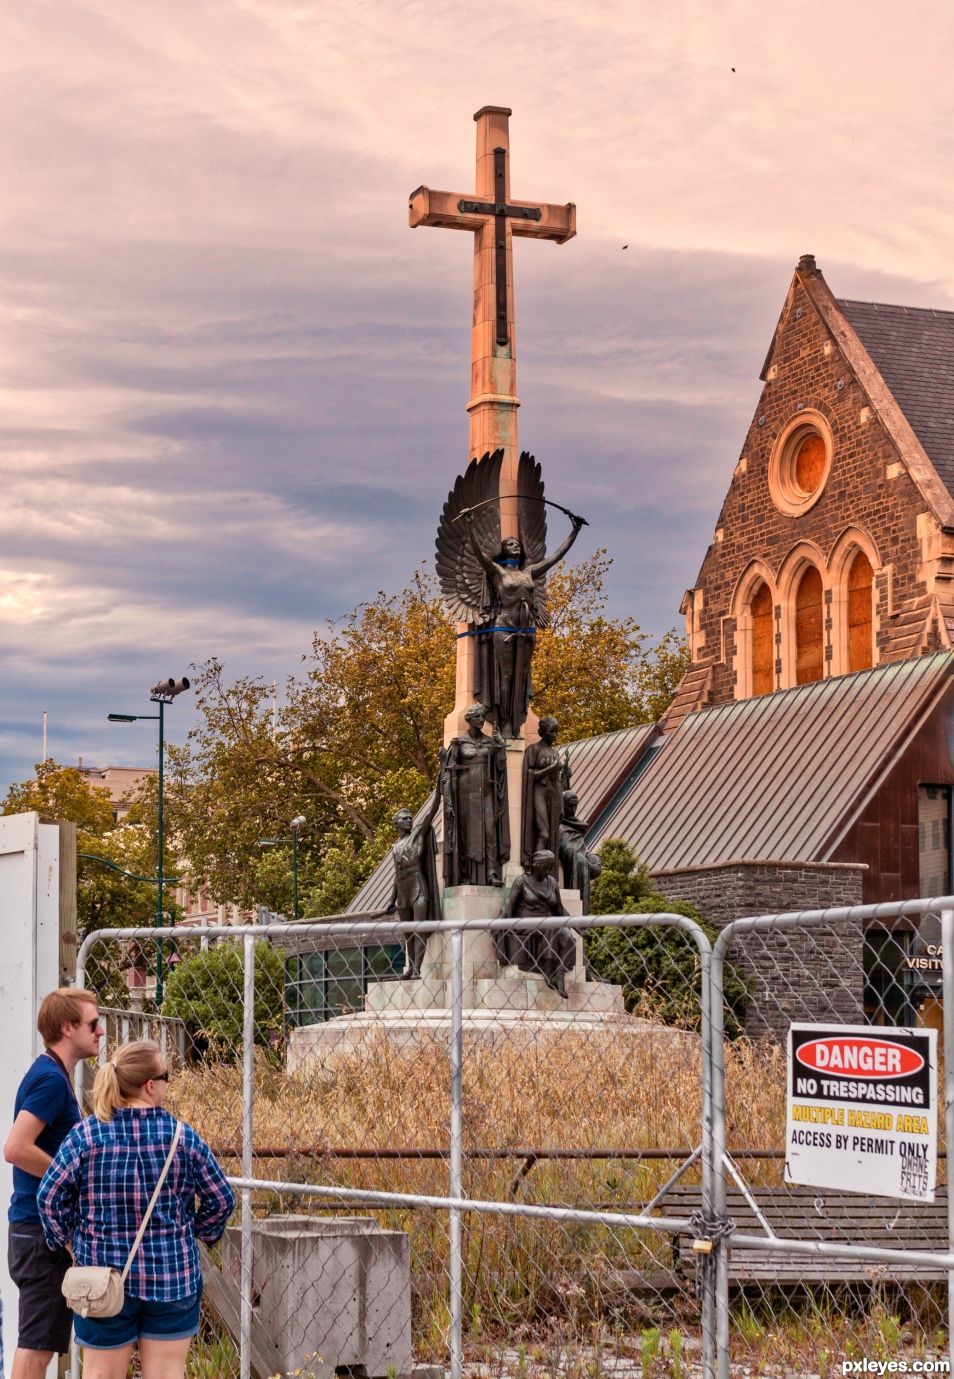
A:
[(95, 1193)]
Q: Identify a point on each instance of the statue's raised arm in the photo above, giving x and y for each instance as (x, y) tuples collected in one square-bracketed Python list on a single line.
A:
[(497, 586)]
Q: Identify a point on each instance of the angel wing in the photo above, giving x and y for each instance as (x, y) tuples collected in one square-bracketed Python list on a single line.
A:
[(461, 575), (533, 529)]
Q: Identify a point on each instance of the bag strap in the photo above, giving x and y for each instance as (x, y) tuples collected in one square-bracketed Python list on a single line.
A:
[(145, 1220)]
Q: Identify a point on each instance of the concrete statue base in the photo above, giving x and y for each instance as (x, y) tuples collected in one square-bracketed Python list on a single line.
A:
[(499, 1003)]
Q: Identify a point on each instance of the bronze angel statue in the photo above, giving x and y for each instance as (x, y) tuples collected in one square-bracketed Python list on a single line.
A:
[(499, 587)]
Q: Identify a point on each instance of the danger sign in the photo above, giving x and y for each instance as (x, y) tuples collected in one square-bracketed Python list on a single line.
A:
[(862, 1109)]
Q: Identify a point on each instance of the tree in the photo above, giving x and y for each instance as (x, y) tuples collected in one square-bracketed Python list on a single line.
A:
[(105, 898), (205, 991), (657, 967), (359, 732)]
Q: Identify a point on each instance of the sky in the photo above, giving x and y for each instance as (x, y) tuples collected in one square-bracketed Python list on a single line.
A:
[(233, 381)]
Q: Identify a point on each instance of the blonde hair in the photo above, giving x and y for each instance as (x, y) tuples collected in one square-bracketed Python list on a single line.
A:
[(62, 1007), (120, 1079)]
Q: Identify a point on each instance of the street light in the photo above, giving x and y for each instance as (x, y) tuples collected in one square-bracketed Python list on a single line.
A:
[(162, 694), (295, 825)]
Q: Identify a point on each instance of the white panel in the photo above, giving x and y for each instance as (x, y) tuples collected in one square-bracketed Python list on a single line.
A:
[(29, 967)]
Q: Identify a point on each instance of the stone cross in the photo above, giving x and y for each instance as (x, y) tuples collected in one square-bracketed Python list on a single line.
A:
[(494, 217)]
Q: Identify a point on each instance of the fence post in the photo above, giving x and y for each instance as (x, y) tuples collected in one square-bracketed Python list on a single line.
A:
[(708, 997), (716, 1279), (456, 1153), (947, 987), (248, 1057)]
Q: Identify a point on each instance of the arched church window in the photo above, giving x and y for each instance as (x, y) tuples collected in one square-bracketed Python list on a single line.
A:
[(860, 579), (763, 640), (809, 628)]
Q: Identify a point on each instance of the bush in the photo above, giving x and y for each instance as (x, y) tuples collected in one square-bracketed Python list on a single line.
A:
[(658, 968), (206, 991)]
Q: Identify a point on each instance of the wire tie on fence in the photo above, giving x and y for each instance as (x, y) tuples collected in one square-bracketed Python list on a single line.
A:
[(708, 1230)]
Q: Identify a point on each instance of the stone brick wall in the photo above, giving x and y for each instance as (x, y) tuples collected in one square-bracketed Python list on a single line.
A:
[(866, 487), (812, 973)]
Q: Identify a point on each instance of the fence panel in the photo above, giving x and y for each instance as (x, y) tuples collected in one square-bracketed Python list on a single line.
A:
[(463, 1170), (809, 1279)]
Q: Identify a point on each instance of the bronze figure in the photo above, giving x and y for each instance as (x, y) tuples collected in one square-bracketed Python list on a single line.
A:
[(579, 866), (549, 952), (543, 771), (476, 823), (415, 894), (499, 587)]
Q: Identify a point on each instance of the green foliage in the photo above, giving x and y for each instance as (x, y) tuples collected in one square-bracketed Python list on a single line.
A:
[(206, 989), (358, 735), (658, 968), (105, 898)]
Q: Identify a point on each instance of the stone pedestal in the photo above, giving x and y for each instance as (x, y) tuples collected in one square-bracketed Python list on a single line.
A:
[(498, 1003), (329, 1293)]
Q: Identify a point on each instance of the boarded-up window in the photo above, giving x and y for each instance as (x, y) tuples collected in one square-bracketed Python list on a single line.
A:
[(809, 629), (859, 613), (810, 460), (763, 641)]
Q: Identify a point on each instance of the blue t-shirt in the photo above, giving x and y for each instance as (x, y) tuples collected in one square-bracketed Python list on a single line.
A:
[(47, 1093)]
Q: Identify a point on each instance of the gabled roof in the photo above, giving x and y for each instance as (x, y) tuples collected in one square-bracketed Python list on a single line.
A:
[(913, 348), (777, 778), (600, 766), (903, 358)]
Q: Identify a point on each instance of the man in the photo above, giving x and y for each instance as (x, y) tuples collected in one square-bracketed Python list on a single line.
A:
[(415, 895), (45, 1112)]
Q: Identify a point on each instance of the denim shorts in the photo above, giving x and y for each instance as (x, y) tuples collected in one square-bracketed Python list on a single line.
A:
[(140, 1320)]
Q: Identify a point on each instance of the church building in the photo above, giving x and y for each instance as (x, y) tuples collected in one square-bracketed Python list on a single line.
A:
[(806, 759)]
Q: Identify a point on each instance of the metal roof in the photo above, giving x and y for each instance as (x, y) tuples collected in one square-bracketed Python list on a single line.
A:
[(599, 765), (777, 777)]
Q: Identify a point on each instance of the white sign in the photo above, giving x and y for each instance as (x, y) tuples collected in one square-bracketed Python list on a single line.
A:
[(862, 1109)]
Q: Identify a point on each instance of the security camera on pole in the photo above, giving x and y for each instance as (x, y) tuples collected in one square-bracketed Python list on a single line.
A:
[(162, 694)]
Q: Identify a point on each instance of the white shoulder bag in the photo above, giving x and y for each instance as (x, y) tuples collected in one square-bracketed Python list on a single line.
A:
[(95, 1290)]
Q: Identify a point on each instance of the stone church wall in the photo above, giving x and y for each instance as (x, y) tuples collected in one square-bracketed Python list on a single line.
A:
[(796, 974), (866, 488)]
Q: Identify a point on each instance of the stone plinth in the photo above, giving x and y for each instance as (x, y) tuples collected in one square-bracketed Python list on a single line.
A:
[(498, 1003), (331, 1292), (485, 1028)]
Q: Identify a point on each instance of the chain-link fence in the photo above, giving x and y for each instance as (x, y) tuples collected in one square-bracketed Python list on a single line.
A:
[(552, 1151)]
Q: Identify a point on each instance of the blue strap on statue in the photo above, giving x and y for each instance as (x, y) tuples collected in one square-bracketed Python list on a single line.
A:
[(486, 631)]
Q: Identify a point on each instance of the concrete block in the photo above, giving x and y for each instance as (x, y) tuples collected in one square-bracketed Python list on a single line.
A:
[(414, 993), (594, 998), (516, 990), (330, 1292)]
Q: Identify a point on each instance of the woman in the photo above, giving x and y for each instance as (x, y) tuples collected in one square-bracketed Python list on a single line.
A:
[(92, 1200), (476, 826)]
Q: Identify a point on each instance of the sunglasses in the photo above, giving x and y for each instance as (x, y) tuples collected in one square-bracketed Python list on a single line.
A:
[(161, 1077), (93, 1025)]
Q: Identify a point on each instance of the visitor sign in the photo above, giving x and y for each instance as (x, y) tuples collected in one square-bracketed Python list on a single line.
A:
[(862, 1109)]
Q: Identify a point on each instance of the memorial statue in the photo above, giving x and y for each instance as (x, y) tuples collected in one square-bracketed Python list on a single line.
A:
[(476, 822), (579, 866), (544, 770), (415, 894), (499, 587), (549, 952)]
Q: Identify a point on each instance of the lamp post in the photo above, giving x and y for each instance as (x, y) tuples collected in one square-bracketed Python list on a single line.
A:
[(295, 825), (162, 694)]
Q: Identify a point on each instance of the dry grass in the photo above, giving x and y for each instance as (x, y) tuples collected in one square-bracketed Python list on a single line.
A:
[(529, 1280), (572, 1090)]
